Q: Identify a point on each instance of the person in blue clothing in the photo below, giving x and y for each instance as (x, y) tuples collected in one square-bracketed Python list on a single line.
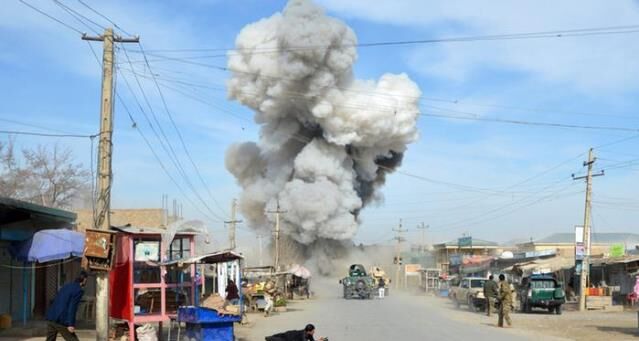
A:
[(61, 314)]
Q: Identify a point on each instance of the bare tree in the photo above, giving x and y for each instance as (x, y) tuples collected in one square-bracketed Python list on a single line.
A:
[(48, 177)]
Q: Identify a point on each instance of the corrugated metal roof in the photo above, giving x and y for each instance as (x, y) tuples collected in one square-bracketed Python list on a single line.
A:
[(55, 213), (601, 238), (614, 260), (479, 243), (148, 230)]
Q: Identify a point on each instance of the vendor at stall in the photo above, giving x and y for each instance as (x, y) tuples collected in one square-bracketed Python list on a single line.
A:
[(232, 293)]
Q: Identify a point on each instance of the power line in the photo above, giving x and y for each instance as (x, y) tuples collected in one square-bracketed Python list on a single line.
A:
[(51, 17), (472, 116), (31, 133), (512, 36), (533, 123), (79, 16), (179, 134), (159, 160), (104, 17)]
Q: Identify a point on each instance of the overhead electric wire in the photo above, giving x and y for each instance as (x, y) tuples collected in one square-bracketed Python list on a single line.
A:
[(104, 17), (51, 17), (179, 134), (623, 29), (79, 17), (166, 146), (159, 160), (471, 116), (27, 124), (32, 133)]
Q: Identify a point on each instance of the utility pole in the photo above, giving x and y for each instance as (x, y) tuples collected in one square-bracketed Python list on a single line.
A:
[(423, 227), (259, 244), (277, 213), (585, 263), (398, 252), (105, 174), (232, 223)]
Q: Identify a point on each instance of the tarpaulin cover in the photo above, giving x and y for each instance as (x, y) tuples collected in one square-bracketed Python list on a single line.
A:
[(50, 245)]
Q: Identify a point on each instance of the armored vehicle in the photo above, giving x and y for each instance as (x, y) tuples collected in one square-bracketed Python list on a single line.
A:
[(358, 284)]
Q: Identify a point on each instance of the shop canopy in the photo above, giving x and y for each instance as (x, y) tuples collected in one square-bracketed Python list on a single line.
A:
[(542, 265), (209, 258), (50, 245)]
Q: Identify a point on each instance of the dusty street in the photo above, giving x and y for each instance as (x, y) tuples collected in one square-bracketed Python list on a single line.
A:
[(398, 317)]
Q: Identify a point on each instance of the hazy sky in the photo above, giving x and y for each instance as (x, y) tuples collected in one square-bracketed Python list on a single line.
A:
[(496, 181)]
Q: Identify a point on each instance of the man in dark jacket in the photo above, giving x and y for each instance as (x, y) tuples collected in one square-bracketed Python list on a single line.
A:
[(61, 314), (232, 294), (491, 291), (296, 335)]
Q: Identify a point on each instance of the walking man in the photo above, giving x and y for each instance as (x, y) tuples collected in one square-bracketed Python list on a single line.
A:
[(381, 287), (505, 301), (61, 314), (490, 293)]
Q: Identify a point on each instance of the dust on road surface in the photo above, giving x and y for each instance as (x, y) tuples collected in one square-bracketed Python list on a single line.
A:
[(398, 317)]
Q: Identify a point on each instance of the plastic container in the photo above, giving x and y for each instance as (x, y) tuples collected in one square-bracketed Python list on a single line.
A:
[(5, 321)]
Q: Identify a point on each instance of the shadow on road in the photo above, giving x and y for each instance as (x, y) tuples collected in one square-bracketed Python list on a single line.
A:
[(622, 330)]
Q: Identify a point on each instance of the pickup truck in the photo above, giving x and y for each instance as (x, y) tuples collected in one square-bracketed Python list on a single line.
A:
[(470, 292), (541, 291)]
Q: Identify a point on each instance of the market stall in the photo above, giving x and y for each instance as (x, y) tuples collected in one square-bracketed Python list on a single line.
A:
[(143, 290), (213, 317)]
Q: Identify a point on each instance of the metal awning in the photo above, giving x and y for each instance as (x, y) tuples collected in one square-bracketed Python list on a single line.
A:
[(209, 258), (543, 265)]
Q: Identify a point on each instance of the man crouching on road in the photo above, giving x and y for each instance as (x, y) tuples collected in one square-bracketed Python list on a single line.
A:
[(490, 293), (297, 335), (505, 301), (61, 314)]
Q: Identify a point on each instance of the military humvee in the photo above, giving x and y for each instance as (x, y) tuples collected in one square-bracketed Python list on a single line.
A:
[(358, 284)]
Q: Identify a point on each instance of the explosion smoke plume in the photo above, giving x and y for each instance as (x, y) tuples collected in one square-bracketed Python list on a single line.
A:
[(327, 140)]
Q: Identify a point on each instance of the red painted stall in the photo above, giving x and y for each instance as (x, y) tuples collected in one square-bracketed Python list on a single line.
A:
[(143, 291)]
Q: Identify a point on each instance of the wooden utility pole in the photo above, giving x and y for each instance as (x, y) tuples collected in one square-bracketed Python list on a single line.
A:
[(423, 227), (585, 263), (232, 223), (105, 174), (398, 252), (277, 213)]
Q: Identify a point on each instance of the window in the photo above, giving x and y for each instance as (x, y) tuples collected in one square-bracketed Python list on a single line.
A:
[(477, 283), (146, 251), (542, 284)]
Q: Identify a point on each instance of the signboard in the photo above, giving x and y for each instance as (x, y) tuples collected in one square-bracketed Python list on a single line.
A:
[(412, 269), (455, 259), (617, 250), (579, 234), (580, 251), (465, 241), (147, 251)]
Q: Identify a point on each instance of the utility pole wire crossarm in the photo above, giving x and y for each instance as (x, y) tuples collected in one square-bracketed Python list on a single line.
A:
[(105, 172), (585, 263), (232, 223), (277, 213)]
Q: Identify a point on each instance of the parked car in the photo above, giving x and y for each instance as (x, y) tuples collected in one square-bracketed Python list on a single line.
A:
[(470, 292), (541, 291)]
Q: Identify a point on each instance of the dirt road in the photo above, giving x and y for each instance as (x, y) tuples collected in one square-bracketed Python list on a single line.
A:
[(397, 317)]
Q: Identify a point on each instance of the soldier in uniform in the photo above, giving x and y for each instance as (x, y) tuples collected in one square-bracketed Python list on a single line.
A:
[(491, 291), (505, 301)]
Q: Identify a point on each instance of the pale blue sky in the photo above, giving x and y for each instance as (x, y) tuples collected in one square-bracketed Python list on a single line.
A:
[(50, 78)]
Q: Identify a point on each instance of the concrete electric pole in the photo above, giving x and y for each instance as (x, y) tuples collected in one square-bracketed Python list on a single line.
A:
[(232, 225), (105, 174), (585, 263), (423, 227), (398, 252), (277, 213)]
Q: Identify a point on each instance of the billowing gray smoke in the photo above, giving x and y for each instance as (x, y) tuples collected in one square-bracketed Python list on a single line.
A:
[(327, 140)]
